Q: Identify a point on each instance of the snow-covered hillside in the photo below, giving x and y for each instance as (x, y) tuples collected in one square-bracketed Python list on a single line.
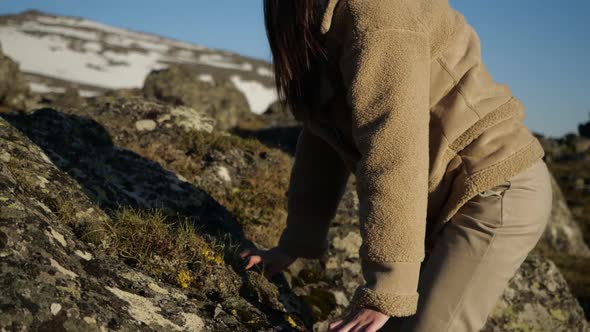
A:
[(56, 52)]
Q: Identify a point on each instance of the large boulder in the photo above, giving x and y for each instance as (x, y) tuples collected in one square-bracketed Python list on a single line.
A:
[(52, 280), (83, 248), (563, 233), (14, 90), (537, 299), (183, 85)]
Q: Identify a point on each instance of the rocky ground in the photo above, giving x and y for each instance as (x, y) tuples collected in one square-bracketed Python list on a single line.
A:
[(125, 212), (568, 159)]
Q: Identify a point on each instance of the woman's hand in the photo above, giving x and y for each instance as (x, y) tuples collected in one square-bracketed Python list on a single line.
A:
[(274, 260), (364, 320)]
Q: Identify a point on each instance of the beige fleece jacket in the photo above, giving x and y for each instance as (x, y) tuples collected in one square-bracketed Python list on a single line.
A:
[(409, 108)]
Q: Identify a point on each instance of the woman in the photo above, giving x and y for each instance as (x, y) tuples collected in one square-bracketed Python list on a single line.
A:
[(453, 190)]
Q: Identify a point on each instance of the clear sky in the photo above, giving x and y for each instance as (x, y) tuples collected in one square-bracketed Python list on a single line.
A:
[(540, 48)]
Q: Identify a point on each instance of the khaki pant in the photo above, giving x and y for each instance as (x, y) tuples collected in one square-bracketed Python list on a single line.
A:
[(477, 252)]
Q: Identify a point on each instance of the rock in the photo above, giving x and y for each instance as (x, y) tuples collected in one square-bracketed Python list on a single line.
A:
[(537, 299), (183, 85), (563, 233), (45, 286), (14, 90), (68, 178)]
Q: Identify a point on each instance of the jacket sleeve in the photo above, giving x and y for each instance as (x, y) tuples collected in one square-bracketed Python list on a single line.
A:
[(317, 182), (386, 73)]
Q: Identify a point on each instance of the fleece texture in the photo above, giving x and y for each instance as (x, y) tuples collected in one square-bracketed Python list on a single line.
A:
[(411, 111)]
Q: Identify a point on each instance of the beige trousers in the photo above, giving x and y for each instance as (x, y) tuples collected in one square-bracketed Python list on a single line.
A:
[(477, 252)]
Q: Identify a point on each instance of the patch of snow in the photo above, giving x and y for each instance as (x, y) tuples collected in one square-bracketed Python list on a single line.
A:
[(59, 30), (43, 88), (68, 64), (206, 78), (263, 71), (218, 60), (92, 47), (259, 96)]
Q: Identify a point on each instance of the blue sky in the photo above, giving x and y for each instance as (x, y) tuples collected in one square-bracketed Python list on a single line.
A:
[(538, 47)]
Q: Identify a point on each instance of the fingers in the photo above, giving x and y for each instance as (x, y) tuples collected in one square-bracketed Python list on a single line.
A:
[(253, 260), (342, 325), (352, 322), (335, 325), (273, 262)]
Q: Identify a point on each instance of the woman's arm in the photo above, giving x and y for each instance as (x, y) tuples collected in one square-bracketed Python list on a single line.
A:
[(317, 182), (387, 73)]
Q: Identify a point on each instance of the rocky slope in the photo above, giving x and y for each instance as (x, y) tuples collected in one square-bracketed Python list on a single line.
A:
[(124, 212)]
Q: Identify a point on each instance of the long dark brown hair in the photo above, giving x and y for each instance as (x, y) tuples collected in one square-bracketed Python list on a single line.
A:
[(293, 32)]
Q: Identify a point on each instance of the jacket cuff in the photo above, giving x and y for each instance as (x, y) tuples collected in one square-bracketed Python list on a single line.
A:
[(397, 305), (390, 287)]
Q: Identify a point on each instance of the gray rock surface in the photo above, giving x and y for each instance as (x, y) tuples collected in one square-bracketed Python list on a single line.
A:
[(538, 299), (53, 279), (563, 233)]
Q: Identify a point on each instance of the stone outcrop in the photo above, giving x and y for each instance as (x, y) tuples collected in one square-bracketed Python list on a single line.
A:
[(180, 85), (537, 299), (563, 233)]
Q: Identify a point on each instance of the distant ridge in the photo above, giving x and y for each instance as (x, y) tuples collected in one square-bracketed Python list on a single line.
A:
[(57, 52)]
